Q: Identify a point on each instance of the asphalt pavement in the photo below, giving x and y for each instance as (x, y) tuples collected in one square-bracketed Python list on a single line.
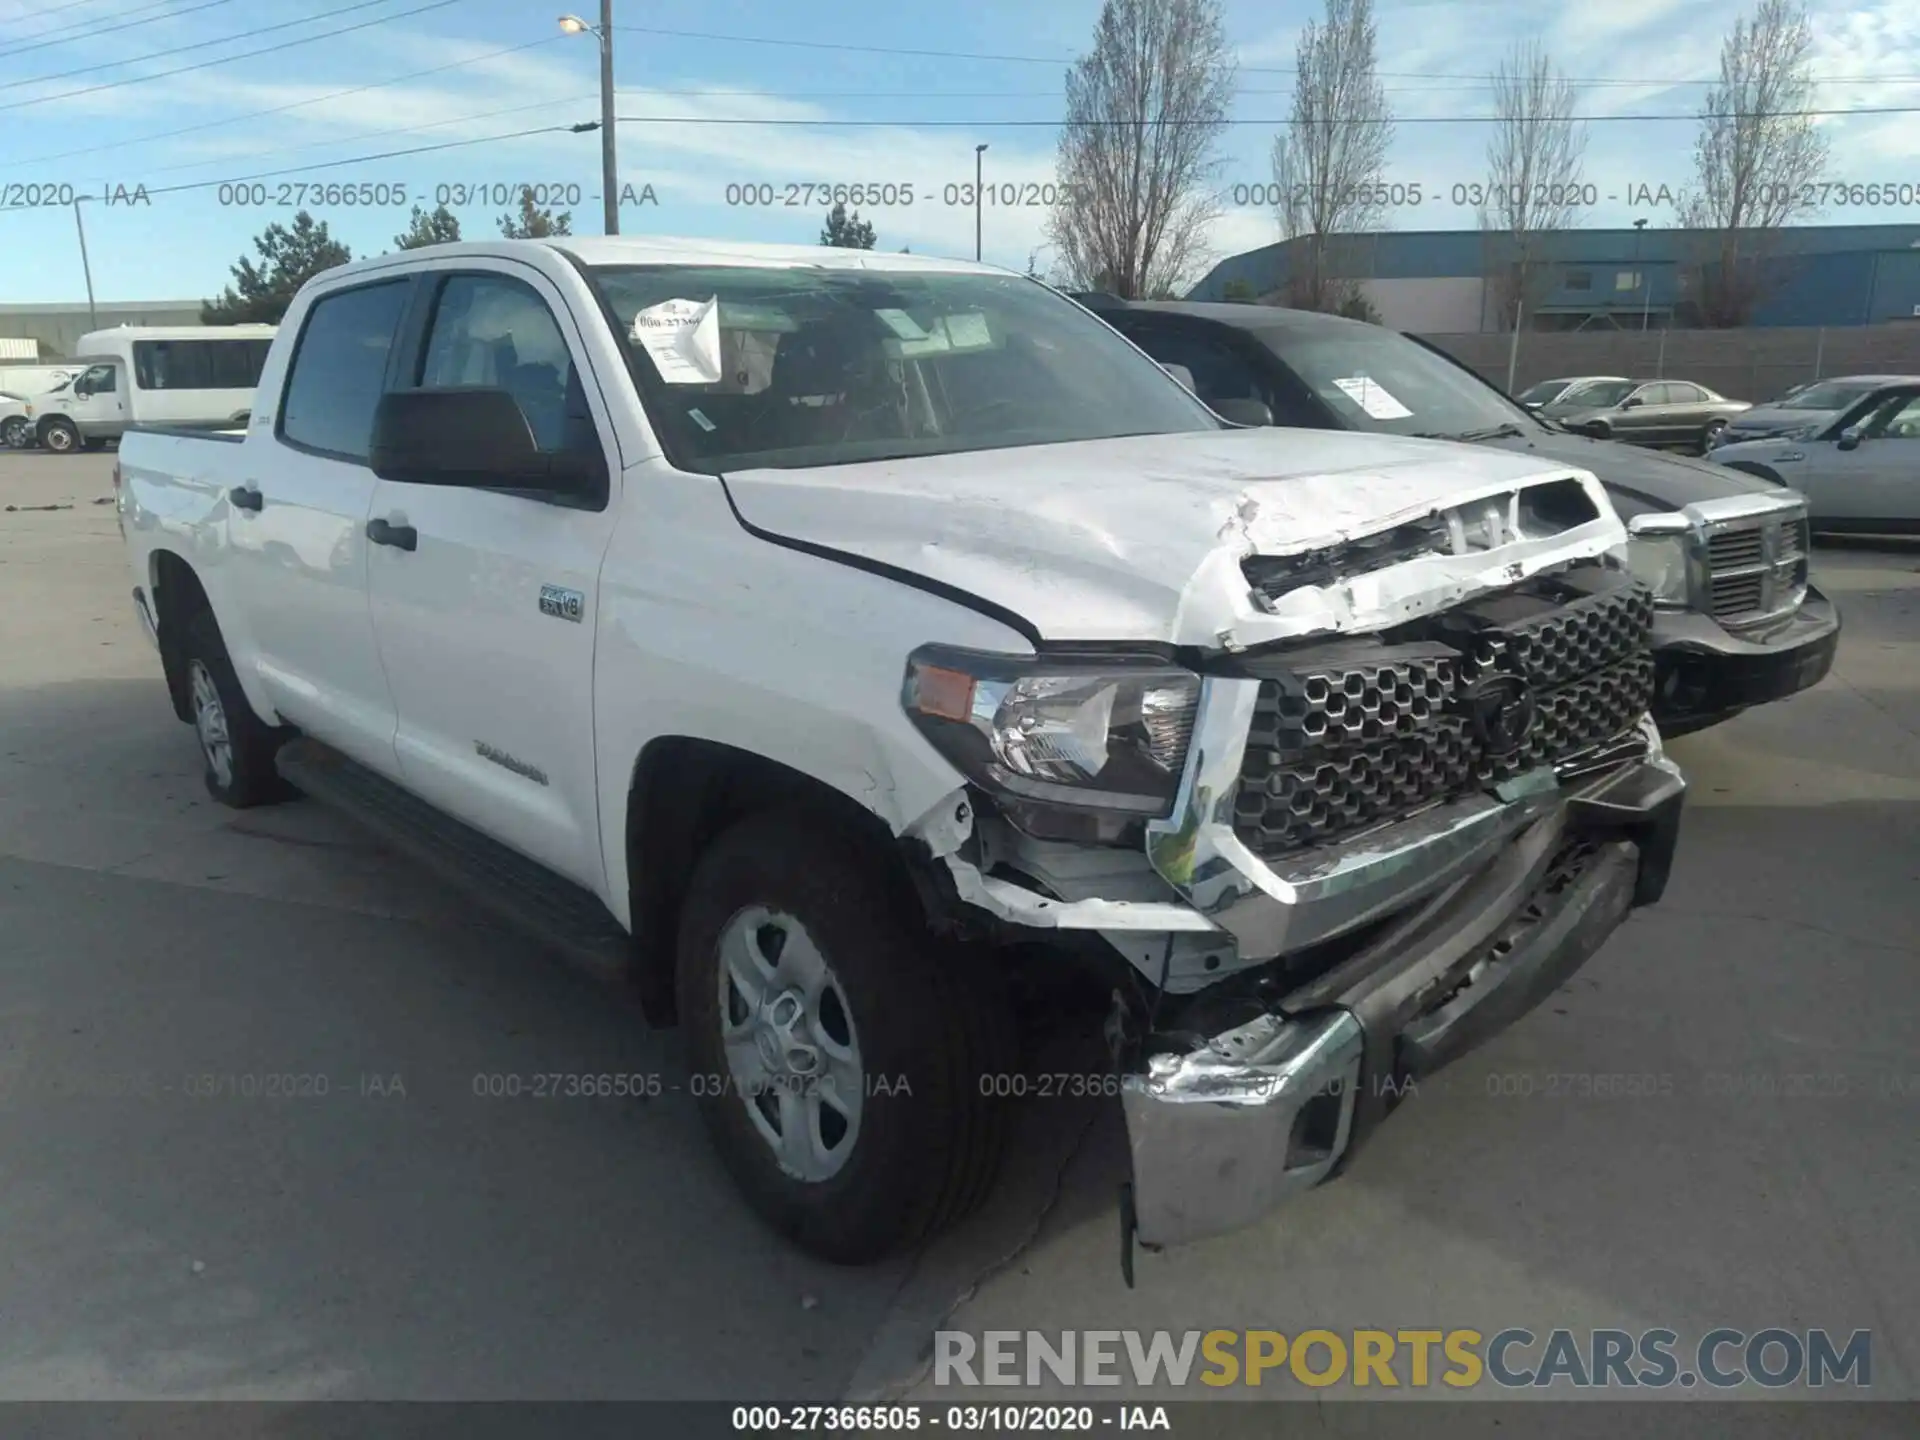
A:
[(249, 1145)]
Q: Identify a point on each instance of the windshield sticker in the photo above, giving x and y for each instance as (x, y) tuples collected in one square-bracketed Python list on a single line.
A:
[(1373, 397), (969, 331), (902, 324), (682, 337), (701, 420)]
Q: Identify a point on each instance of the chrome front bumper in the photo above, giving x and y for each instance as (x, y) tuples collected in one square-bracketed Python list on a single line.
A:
[(1495, 912)]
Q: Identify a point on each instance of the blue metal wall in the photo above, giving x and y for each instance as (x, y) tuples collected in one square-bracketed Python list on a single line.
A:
[(1827, 275)]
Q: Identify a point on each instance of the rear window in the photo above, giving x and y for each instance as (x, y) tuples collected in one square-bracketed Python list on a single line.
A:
[(761, 367)]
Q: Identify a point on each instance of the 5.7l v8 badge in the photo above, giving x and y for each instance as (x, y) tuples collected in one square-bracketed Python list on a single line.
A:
[(562, 603)]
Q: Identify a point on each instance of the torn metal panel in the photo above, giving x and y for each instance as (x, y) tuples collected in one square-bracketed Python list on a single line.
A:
[(1142, 538)]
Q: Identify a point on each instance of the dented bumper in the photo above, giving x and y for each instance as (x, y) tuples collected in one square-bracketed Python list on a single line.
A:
[(1225, 1130)]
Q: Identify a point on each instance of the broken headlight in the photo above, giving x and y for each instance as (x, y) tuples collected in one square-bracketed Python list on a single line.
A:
[(1105, 734)]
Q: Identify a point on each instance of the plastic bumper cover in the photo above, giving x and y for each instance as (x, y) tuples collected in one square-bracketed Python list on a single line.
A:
[(1703, 672), (1222, 1133)]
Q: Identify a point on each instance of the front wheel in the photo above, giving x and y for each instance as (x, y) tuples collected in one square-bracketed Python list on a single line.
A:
[(842, 1057), (62, 437), (14, 433), (1710, 436)]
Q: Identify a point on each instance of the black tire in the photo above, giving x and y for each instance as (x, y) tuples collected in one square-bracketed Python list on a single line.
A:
[(248, 777), (1710, 434), (15, 432), (930, 1020), (59, 435)]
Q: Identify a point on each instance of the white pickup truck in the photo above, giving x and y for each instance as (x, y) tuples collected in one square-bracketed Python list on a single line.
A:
[(837, 640)]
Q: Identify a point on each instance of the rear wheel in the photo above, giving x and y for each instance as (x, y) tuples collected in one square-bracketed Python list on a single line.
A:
[(60, 436), (1710, 436), (14, 432), (236, 746), (840, 1053)]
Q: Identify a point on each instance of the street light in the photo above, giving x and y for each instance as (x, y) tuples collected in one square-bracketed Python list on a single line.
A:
[(978, 151), (609, 170)]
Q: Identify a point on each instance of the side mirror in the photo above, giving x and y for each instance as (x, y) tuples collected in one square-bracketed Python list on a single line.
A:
[(1243, 411), (1182, 374), (1850, 438), (475, 436), (1631, 402)]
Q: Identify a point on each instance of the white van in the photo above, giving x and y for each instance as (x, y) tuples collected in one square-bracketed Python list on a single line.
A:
[(191, 377), (31, 380)]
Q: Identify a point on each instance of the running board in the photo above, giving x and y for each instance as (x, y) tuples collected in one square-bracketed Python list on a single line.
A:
[(553, 911)]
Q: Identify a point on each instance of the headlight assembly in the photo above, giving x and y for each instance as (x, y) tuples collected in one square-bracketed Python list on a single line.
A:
[(1103, 735), (1657, 556)]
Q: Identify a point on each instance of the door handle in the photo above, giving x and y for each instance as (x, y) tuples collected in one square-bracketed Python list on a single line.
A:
[(246, 497), (385, 532)]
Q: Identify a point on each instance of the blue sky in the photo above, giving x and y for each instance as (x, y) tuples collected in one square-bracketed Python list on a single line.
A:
[(1639, 57)]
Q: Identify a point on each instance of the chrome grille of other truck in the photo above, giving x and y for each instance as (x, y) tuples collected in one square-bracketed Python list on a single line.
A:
[(1756, 567), (1354, 735)]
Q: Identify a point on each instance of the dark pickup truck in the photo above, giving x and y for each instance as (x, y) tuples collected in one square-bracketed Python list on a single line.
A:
[(1726, 553)]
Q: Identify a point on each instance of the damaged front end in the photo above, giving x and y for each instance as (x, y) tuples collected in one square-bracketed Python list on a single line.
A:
[(1417, 787)]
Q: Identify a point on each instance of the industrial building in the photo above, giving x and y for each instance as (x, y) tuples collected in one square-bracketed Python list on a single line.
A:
[(1454, 281), (55, 330)]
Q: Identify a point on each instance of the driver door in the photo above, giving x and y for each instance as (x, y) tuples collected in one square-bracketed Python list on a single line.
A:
[(100, 402), (1878, 480)]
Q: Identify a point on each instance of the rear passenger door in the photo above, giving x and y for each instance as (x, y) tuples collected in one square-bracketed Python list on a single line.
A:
[(486, 626), (297, 520)]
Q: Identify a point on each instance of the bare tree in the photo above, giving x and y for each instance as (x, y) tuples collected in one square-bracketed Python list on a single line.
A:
[(1757, 161), (1534, 174), (1329, 163), (1146, 107)]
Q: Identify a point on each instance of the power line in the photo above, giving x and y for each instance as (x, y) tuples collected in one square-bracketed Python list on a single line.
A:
[(584, 99), (911, 124), (335, 164), (1069, 60), (283, 109), (119, 23), (62, 20), (228, 59), (194, 45)]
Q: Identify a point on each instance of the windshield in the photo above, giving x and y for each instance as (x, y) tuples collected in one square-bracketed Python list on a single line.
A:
[(1541, 393), (1375, 379), (749, 367), (1829, 395)]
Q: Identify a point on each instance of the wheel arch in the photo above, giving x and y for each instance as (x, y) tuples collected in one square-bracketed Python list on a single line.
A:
[(178, 596), (1757, 469), (682, 793)]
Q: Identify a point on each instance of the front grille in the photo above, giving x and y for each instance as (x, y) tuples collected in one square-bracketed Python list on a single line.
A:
[(1756, 568), (1356, 735)]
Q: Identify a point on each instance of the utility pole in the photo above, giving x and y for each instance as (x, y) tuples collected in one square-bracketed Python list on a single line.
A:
[(1513, 348), (1646, 282), (93, 321), (978, 151), (609, 167)]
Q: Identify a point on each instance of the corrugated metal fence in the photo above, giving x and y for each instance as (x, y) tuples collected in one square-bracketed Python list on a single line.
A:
[(1744, 364)]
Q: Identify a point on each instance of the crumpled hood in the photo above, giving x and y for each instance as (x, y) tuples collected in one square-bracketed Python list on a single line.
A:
[(1141, 538), (1643, 480)]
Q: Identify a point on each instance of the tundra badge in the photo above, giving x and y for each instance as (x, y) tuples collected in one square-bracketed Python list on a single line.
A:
[(566, 604)]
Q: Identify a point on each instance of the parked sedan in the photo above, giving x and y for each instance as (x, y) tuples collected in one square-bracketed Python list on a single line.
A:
[(1860, 471), (1556, 392), (1814, 405), (1729, 632), (1663, 414)]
